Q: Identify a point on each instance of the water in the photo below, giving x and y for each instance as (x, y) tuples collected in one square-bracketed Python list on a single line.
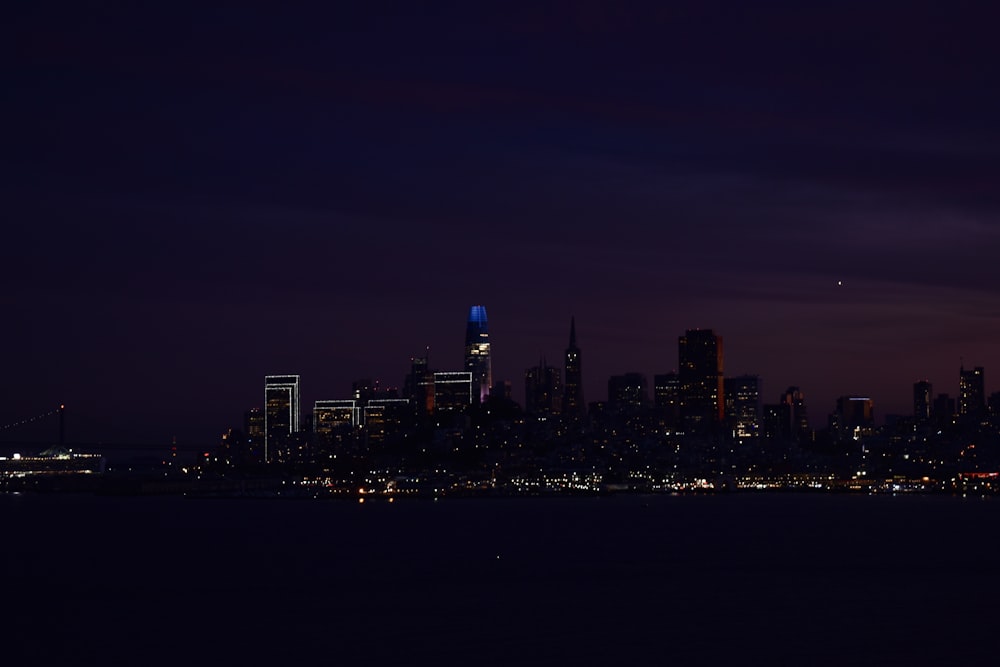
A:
[(758, 579)]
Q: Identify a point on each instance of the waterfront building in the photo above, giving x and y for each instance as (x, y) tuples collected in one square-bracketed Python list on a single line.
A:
[(702, 393), (281, 412), (477, 353)]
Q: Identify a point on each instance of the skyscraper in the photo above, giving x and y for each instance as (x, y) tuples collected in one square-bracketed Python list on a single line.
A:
[(923, 401), (700, 372), (971, 391), (543, 389), (477, 353), (628, 392), (667, 399), (795, 415), (335, 420), (281, 412), (573, 405), (787, 420), (856, 412), (743, 405), (453, 391)]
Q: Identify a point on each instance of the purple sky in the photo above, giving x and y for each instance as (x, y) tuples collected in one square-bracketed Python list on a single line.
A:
[(201, 196)]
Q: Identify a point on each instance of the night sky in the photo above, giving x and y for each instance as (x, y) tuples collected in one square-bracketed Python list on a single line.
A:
[(194, 197)]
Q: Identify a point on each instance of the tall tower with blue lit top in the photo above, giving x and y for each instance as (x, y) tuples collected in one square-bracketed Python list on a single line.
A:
[(477, 353)]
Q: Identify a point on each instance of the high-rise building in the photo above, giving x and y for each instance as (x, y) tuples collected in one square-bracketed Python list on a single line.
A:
[(796, 416), (281, 412), (923, 401), (452, 391), (385, 417), (944, 409), (856, 412), (501, 390), (365, 390), (628, 392), (971, 391), (993, 404), (543, 389), (700, 370), (419, 385), (477, 353), (573, 405), (743, 405), (787, 420), (667, 399), (334, 420), (328, 414), (253, 426)]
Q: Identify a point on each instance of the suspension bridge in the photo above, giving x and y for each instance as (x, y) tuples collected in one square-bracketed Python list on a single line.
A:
[(9, 437)]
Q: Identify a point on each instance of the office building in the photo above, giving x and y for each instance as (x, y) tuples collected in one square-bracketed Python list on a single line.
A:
[(477, 353), (700, 368), (628, 392), (453, 391), (419, 385), (944, 409), (743, 406), (502, 390), (281, 412), (856, 413), (923, 401), (329, 414), (667, 399), (543, 389), (788, 420), (385, 417), (971, 391)]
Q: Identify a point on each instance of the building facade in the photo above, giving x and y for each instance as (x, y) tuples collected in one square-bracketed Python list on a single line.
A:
[(743, 406), (923, 401), (477, 353), (453, 391), (281, 412), (573, 405), (971, 391), (700, 368), (543, 391), (667, 399), (628, 392)]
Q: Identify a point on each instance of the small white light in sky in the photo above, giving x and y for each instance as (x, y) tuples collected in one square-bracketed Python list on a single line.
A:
[(839, 283)]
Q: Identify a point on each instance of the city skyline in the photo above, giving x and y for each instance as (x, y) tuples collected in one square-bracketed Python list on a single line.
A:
[(201, 196), (703, 350)]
